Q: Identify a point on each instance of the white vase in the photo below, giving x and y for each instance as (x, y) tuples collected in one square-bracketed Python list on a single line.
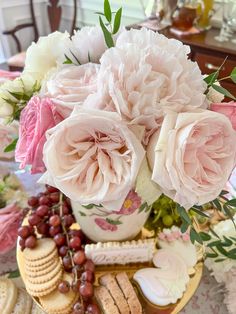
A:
[(100, 225)]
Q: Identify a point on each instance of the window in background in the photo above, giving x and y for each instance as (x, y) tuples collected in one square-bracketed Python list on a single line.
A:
[(2, 57)]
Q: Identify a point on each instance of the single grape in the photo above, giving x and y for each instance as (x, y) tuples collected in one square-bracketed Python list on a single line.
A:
[(67, 263), (34, 219), (64, 287), (88, 276), (92, 309), (63, 250), (78, 308), (43, 228), (86, 290), (31, 242), (24, 232), (60, 239), (22, 244), (26, 211), (33, 201), (51, 189), (77, 233), (55, 220), (54, 230), (65, 209), (44, 200), (89, 265), (167, 220), (79, 257), (42, 211), (75, 243), (68, 220), (55, 197)]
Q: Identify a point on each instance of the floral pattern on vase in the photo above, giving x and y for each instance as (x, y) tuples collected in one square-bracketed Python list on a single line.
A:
[(124, 224)]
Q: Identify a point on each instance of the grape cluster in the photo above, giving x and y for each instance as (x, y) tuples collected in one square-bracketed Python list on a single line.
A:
[(51, 216)]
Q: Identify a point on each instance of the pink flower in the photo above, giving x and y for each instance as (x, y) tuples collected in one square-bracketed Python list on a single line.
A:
[(228, 109), (10, 217), (131, 203), (104, 225), (36, 118), (193, 156), (93, 157)]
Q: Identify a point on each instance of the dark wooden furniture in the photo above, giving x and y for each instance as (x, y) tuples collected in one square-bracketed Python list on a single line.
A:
[(54, 15), (209, 53)]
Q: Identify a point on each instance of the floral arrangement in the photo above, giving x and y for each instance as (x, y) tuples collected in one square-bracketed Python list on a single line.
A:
[(110, 112)]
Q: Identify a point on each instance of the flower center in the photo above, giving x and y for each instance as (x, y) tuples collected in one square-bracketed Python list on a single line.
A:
[(128, 203)]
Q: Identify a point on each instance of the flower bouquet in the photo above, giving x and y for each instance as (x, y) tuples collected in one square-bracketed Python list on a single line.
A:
[(120, 121)]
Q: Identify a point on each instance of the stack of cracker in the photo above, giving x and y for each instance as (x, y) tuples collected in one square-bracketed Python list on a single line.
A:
[(43, 269), (14, 300), (58, 303)]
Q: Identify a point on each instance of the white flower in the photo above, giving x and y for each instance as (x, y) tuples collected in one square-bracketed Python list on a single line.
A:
[(44, 55), (213, 96), (8, 132), (146, 75), (221, 270), (88, 45), (192, 156), (70, 85)]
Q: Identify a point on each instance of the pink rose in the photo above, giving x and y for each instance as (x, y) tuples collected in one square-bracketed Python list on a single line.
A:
[(192, 156), (105, 225), (10, 217), (228, 109), (71, 85), (8, 132), (36, 118), (93, 158)]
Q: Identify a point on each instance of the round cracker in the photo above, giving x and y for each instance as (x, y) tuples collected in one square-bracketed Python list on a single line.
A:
[(8, 295), (42, 262), (56, 302), (46, 277), (38, 272), (44, 248)]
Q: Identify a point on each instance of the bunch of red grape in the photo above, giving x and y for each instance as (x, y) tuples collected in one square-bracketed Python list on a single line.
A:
[(51, 216)]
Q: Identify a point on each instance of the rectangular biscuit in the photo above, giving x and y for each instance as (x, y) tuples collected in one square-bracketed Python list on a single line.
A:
[(105, 300)]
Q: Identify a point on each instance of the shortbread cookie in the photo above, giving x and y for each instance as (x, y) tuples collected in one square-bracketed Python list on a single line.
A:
[(56, 302), (44, 248), (105, 300), (42, 262), (43, 268), (129, 293), (36, 309), (110, 283), (45, 277), (23, 304), (8, 295), (42, 289)]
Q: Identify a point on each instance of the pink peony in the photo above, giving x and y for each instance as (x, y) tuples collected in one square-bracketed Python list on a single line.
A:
[(193, 156), (10, 217), (131, 204), (36, 118), (228, 109), (105, 225)]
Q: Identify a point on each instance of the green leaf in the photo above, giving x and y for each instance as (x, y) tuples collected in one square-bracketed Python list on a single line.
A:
[(113, 222), (183, 214), (77, 60), (199, 212), (142, 207), (217, 204), (228, 241), (184, 227), (117, 21), (233, 75), (233, 238), (214, 233), (89, 206), (229, 214), (211, 78), (14, 274), (20, 96), (11, 146), (68, 60), (212, 255), (99, 13), (107, 10), (220, 248), (219, 260), (194, 236), (214, 243), (205, 236), (82, 214), (224, 192), (107, 35), (223, 91), (231, 202)]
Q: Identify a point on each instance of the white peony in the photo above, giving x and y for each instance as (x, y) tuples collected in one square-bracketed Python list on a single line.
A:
[(8, 132), (146, 75), (44, 55)]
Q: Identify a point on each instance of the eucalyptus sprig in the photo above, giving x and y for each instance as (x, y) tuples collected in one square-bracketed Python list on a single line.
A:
[(112, 25), (212, 80)]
